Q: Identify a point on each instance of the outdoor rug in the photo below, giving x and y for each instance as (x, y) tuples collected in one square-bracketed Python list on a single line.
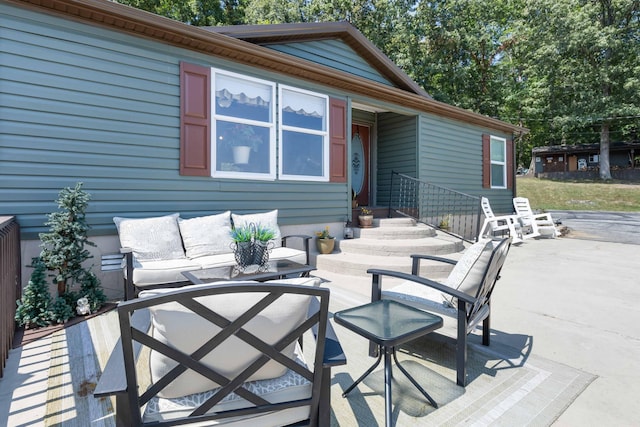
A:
[(50, 382)]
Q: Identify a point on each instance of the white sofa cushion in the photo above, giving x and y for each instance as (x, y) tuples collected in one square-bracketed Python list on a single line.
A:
[(151, 239), (171, 320), (266, 219), (290, 386), (158, 272), (206, 235), (295, 255)]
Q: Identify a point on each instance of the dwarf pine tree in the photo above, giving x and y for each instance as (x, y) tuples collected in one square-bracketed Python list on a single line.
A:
[(33, 308), (63, 247)]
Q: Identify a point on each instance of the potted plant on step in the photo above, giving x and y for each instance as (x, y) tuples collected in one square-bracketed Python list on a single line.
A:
[(325, 241), (365, 219)]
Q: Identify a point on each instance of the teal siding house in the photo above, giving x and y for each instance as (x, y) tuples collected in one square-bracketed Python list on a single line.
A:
[(155, 116)]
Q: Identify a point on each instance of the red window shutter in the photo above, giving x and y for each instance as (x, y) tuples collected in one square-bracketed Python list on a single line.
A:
[(195, 120), (510, 161), (338, 140), (486, 161)]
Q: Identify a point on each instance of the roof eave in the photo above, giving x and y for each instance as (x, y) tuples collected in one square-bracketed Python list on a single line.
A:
[(144, 24), (308, 31)]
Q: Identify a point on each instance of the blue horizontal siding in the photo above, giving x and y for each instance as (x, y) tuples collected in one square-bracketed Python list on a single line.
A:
[(451, 156), (332, 53), (85, 104), (397, 150)]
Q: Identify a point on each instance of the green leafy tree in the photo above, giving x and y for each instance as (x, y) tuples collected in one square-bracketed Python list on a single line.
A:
[(33, 308), (194, 12), (63, 247), (580, 62)]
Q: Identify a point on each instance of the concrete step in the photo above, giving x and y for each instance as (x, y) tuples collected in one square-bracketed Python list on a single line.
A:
[(388, 245), (357, 264), (403, 247), (393, 231)]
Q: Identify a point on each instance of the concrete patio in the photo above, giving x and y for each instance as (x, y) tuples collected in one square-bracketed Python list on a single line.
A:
[(575, 301)]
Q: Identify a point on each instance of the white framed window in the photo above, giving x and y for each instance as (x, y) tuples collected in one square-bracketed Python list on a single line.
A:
[(594, 158), (303, 135), (243, 126), (498, 162)]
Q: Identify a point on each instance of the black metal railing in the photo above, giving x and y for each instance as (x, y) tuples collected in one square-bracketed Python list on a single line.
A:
[(450, 211), (10, 283)]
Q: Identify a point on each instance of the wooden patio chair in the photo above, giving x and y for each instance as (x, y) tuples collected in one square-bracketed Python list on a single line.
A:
[(540, 224), (223, 354), (494, 225), (465, 295)]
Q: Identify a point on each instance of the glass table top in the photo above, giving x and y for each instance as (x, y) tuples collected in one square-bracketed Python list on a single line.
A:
[(388, 322), (271, 270)]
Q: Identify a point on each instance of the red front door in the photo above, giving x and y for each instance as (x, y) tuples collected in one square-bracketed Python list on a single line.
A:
[(360, 148)]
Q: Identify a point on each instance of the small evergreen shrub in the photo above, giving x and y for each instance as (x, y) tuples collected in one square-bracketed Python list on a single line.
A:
[(61, 310), (63, 247), (33, 308), (91, 289)]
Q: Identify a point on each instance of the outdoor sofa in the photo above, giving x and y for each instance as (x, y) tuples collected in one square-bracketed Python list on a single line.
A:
[(158, 250)]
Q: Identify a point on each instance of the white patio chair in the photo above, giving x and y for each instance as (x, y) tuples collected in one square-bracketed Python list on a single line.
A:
[(493, 224), (540, 224)]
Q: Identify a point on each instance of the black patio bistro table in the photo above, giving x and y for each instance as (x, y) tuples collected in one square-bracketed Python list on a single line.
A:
[(276, 269), (388, 324)]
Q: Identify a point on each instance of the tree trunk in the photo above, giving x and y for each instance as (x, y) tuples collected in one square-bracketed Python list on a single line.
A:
[(605, 170), (62, 288)]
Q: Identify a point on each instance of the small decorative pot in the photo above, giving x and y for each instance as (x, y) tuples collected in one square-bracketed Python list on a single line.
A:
[(261, 252), (325, 246), (243, 252), (365, 221), (241, 154)]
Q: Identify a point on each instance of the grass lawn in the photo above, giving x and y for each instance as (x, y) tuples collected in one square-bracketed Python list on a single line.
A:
[(586, 196)]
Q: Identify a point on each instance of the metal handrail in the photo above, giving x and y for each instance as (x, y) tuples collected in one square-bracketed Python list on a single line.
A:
[(450, 211)]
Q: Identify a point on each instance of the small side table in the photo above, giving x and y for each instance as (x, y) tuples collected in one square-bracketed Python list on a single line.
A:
[(388, 324)]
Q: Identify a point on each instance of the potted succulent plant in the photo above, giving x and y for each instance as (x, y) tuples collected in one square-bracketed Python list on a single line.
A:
[(325, 241), (366, 217), (243, 245), (262, 244)]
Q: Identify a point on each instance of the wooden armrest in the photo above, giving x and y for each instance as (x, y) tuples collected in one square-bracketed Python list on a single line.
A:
[(376, 284), (113, 379)]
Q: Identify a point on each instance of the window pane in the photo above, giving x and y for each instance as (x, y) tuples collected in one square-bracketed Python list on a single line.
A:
[(302, 154), (497, 176), (242, 98), (303, 110), (241, 147), (497, 150)]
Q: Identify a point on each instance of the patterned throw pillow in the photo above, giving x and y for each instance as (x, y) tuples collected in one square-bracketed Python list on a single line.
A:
[(265, 219), (151, 239), (206, 235), (468, 272)]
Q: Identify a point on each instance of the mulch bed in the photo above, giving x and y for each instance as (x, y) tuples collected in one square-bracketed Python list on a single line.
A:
[(25, 336)]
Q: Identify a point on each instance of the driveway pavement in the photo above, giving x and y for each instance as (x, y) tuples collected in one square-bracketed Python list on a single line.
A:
[(615, 227)]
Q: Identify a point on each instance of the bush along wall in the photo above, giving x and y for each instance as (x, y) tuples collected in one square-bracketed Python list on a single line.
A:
[(63, 254)]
